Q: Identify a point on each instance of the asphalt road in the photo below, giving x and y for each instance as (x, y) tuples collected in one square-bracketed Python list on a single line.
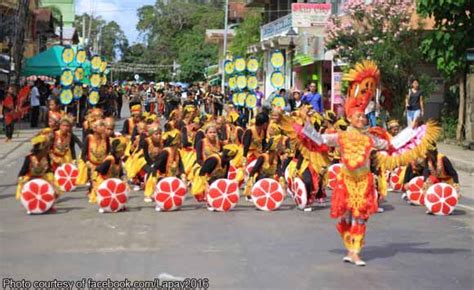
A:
[(242, 249)]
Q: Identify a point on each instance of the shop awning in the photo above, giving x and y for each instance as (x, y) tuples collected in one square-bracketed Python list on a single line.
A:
[(50, 63), (303, 60)]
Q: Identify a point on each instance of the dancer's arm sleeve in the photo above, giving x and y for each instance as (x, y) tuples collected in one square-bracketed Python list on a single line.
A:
[(448, 167)]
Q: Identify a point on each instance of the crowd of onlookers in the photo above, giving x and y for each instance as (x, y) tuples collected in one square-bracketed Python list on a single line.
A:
[(31, 101)]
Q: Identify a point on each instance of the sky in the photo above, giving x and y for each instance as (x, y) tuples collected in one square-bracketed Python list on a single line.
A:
[(124, 12)]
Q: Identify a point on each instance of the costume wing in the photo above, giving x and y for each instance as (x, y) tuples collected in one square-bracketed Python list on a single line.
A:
[(409, 145)]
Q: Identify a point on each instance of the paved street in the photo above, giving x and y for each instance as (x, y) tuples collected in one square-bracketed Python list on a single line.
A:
[(243, 249)]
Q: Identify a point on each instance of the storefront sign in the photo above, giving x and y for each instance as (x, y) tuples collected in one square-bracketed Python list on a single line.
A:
[(310, 14), (275, 28)]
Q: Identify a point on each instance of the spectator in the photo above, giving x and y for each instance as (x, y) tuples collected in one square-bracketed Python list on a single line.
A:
[(295, 101), (118, 100), (313, 98), (34, 105), (260, 97), (414, 103), (218, 101), (9, 110)]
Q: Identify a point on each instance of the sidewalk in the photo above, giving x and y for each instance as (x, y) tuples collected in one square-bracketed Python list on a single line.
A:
[(462, 159)]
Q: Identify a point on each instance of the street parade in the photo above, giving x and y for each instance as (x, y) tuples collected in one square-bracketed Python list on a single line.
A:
[(268, 140)]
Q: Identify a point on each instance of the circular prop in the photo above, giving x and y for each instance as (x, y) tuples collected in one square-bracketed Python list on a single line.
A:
[(252, 82), (441, 199), (66, 96), (267, 194), (223, 194), (37, 196), (81, 56), (277, 59), (241, 82), (232, 83), (229, 67), (277, 79), (66, 176), (112, 195), (95, 80), (395, 182), (278, 102), (252, 64), (68, 55), (93, 97), (79, 74), (103, 66), (96, 62), (67, 78), (300, 196), (251, 101), (239, 64), (170, 193), (333, 171), (77, 91), (241, 99), (415, 192)]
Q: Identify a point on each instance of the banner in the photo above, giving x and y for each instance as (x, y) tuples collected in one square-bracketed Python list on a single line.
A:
[(310, 14)]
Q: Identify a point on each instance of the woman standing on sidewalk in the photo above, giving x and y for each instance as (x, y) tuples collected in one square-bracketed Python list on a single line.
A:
[(9, 111)]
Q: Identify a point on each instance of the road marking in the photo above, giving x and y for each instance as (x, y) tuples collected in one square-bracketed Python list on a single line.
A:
[(466, 207)]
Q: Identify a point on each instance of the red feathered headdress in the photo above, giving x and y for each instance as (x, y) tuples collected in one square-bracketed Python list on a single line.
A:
[(364, 80)]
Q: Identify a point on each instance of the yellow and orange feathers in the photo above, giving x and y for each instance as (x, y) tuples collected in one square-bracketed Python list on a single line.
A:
[(364, 80)]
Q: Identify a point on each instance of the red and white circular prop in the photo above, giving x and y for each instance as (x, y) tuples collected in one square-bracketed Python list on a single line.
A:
[(395, 182), (223, 194), (301, 195), (170, 193), (249, 167), (66, 176), (333, 171), (267, 194), (441, 199), (232, 173), (289, 182), (37, 196), (415, 192), (112, 195)]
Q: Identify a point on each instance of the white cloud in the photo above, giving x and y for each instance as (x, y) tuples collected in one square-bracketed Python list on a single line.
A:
[(124, 12)]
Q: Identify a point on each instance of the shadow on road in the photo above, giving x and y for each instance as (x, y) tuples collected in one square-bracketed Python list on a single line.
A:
[(392, 249)]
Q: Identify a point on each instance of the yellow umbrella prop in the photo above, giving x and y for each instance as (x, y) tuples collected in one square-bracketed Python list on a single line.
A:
[(252, 64), (81, 56), (229, 67), (240, 64), (252, 82), (277, 79), (95, 80), (277, 59), (93, 97), (66, 78), (241, 82)]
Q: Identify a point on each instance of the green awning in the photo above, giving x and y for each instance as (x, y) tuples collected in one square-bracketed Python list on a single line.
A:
[(50, 63), (303, 59)]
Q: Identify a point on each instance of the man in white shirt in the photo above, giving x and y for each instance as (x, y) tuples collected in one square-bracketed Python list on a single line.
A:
[(34, 105)]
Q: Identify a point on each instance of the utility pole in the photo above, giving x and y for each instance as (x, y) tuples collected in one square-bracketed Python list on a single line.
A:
[(83, 31), (61, 30), (226, 30), (19, 36)]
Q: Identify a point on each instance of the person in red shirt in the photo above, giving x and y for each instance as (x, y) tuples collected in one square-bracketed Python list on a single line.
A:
[(9, 111)]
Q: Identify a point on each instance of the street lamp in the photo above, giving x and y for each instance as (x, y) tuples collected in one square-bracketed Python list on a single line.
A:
[(292, 34)]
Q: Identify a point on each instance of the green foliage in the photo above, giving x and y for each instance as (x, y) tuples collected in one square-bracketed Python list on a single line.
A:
[(113, 40), (381, 32), (247, 33), (176, 31), (453, 33)]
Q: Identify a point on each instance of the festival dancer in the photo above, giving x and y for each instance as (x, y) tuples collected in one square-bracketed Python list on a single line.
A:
[(129, 124), (95, 148), (254, 138), (354, 199), (63, 147), (209, 145), (439, 169), (111, 166), (215, 166), (151, 147), (54, 114), (37, 165)]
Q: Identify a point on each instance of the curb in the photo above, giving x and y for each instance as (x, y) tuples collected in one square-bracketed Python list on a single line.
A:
[(462, 165)]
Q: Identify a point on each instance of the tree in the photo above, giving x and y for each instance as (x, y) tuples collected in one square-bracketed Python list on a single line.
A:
[(447, 43), (112, 40), (175, 31), (382, 32), (247, 33)]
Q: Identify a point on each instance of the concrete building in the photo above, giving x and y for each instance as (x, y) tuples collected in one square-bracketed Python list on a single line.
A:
[(67, 8)]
